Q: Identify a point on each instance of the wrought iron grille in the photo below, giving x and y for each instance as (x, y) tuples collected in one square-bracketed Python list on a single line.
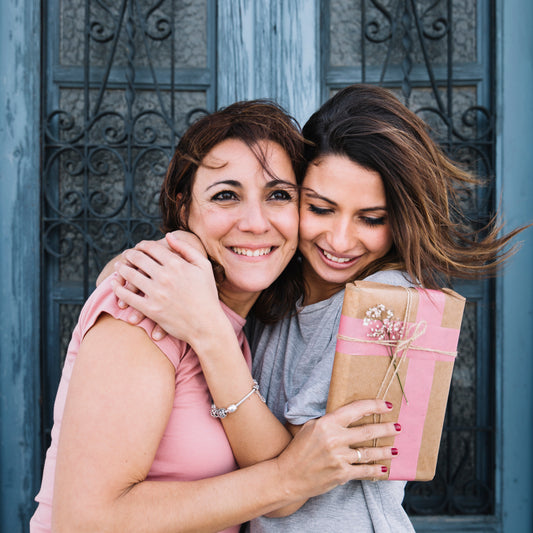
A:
[(123, 80), (436, 56)]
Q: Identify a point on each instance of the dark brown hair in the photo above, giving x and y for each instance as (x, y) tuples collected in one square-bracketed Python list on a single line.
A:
[(250, 122), (432, 239)]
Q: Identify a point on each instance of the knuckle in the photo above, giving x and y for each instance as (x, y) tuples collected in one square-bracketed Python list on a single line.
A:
[(367, 432), (329, 442), (327, 439)]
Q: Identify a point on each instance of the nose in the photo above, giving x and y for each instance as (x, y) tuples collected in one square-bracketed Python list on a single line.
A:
[(343, 236), (254, 218)]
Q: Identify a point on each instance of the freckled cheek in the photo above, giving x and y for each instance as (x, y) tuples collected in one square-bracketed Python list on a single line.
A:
[(210, 230), (381, 243), (310, 227)]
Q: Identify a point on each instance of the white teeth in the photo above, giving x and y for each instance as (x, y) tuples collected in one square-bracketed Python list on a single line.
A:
[(251, 253), (335, 258)]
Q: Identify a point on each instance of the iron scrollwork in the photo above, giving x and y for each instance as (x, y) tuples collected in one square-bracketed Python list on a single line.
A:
[(108, 144)]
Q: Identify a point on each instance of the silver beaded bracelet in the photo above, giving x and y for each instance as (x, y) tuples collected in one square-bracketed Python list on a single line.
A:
[(223, 412)]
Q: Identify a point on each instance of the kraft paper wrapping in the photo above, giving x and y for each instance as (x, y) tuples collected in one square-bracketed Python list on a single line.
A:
[(362, 368)]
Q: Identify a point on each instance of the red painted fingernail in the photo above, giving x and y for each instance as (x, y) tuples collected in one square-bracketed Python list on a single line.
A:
[(397, 427), (389, 405), (394, 451), (383, 468)]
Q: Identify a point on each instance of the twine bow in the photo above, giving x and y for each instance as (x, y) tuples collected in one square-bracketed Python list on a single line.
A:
[(398, 348)]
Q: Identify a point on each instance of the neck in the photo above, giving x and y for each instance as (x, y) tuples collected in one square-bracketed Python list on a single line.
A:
[(316, 289), (240, 303)]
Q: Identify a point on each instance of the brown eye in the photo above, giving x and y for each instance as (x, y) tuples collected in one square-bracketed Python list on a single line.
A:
[(281, 195), (224, 196)]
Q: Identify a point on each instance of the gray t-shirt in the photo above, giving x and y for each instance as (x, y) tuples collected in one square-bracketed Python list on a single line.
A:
[(292, 363)]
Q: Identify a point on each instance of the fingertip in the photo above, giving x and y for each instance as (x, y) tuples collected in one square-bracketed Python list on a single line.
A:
[(173, 241), (157, 335), (173, 236), (134, 318)]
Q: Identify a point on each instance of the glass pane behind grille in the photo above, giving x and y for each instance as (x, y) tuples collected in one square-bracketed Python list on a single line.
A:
[(359, 29), (152, 24)]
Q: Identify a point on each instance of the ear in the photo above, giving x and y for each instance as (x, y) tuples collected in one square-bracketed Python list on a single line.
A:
[(182, 211)]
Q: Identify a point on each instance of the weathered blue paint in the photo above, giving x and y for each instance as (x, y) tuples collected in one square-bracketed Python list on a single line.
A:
[(514, 301), (269, 50), (19, 261)]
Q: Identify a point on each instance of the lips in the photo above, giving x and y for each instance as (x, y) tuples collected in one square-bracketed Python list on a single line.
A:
[(341, 261), (248, 252)]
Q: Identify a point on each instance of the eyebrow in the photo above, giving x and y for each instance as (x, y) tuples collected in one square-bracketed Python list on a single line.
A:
[(314, 194), (232, 183), (269, 185)]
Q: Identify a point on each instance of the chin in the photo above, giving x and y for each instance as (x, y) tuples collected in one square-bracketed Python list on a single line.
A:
[(252, 287), (336, 276)]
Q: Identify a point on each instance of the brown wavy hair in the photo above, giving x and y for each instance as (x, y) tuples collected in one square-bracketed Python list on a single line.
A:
[(250, 122), (433, 239)]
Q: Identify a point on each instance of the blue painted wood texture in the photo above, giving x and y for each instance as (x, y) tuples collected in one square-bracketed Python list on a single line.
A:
[(19, 261), (514, 300), (270, 50)]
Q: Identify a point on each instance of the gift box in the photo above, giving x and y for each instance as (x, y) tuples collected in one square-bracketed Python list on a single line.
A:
[(399, 344)]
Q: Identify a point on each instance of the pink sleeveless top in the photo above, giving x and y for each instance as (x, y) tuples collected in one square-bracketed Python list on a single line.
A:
[(194, 445)]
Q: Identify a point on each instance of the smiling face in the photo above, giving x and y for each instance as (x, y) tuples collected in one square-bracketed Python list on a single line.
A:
[(246, 219), (343, 224)]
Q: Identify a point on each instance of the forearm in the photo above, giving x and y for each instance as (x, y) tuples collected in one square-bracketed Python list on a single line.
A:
[(255, 434), (160, 506)]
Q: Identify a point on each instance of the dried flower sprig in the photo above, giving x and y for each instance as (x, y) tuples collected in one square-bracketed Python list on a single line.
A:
[(384, 327)]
